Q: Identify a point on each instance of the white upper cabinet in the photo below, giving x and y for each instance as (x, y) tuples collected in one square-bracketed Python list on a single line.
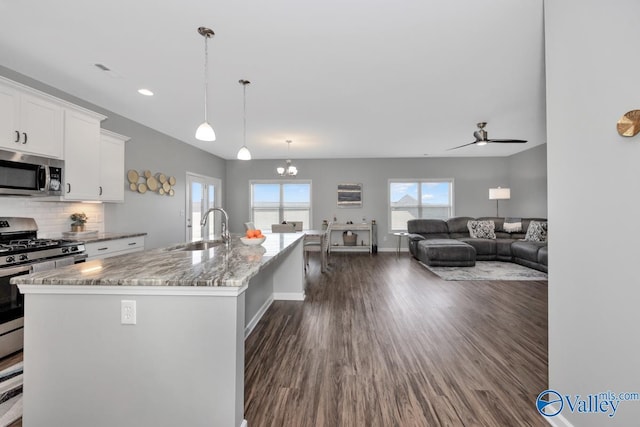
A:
[(30, 122), (81, 156), (112, 166)]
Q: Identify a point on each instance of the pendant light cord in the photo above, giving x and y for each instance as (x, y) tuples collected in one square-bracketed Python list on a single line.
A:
[(206, 74), (244, 108)]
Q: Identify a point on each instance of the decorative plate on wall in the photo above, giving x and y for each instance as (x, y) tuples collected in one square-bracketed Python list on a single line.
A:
[(629, 124), (146, 181)]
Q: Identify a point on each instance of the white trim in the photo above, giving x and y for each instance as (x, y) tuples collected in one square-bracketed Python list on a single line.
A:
[(288, 296), (206, 181), (48, 97), (280, 208), (558, 420), (215, 291), (419, 181), (254, 321), (244, 423)]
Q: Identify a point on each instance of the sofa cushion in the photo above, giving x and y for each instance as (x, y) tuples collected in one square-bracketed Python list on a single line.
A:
[(498, 222), (458, 226), (526, 250), (503, 249), (481, 229), (482, 246), (537, 232), (429, 228), (543, 255)]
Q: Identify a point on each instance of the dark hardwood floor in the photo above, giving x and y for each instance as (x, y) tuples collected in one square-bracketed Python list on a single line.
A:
[(381, 341)]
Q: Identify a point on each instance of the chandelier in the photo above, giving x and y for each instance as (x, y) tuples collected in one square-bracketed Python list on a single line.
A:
[(289, 169)]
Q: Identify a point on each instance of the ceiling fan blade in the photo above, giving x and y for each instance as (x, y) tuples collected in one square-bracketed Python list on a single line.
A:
[(517, 141), (460, 146)]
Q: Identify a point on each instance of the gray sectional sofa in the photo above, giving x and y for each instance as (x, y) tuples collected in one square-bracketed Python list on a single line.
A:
[(448, 243)]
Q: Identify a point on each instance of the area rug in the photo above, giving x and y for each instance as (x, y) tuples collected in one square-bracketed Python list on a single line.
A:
[(10, 394), (488, 270)]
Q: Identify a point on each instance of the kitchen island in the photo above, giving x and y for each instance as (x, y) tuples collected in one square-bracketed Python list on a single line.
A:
[(151, 338)]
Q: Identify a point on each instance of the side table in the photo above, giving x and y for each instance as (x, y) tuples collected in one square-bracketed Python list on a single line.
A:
[(400, 235)]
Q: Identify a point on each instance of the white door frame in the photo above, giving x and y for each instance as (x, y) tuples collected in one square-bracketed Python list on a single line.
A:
[(206, 181)]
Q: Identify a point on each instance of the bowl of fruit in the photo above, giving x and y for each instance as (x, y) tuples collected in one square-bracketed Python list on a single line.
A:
[(253, 238)]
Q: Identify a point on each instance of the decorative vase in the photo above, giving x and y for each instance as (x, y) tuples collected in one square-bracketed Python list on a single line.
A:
[(77, 227)]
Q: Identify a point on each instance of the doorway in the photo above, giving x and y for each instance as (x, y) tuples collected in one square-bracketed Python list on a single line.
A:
[(203, 193)]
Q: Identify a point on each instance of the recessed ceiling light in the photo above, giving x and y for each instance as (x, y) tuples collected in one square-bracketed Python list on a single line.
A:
[(145, 92)]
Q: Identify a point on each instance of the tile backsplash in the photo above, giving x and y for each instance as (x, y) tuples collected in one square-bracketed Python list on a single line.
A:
[(52, 217)]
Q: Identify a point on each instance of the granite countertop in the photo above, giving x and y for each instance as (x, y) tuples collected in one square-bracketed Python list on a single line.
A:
[(99, 237), (172, 266)]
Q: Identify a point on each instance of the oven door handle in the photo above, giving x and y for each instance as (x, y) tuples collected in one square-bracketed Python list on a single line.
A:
[(14, 271)]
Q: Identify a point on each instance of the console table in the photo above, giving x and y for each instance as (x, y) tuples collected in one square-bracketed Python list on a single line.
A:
[(338, 245)]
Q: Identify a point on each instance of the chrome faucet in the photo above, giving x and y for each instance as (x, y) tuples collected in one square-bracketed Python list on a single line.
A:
[(226, 237)]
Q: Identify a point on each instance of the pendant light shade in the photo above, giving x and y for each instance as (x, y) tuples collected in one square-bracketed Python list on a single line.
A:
[(244, 153), (205, 131)]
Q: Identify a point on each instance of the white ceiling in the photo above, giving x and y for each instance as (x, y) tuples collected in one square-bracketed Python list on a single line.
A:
[(340, 78)]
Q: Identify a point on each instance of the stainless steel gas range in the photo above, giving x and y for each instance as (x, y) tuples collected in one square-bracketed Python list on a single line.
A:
[(21, 252)]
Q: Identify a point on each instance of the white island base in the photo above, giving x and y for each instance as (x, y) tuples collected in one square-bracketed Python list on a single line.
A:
[(181, 364)]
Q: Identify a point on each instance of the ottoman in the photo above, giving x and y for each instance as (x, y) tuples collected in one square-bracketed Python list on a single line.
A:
[(446, 253)]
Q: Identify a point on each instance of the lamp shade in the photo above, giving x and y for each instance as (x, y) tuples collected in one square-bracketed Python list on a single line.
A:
[(499, 193)]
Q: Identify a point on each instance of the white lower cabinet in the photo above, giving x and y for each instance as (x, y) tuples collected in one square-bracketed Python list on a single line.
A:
[(114, 247)]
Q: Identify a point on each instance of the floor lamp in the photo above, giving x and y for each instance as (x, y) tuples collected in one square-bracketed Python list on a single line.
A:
[(498, 194)]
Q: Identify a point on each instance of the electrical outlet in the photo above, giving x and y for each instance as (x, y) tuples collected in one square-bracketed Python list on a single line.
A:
[(128, 312)]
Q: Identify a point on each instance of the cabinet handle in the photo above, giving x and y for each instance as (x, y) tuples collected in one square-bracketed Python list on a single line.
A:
[(132, 244), (25, 137), (100, 194), (68, 188), (103, 249), (17, 137)]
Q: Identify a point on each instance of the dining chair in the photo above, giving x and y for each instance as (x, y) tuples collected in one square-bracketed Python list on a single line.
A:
[(317, 243)]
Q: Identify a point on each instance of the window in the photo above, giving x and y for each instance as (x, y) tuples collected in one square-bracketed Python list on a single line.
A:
[(410, 199), (276, 201)]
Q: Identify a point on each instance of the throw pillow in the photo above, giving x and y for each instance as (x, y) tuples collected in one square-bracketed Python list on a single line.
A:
[(482, 229), (537, 232), (512, 225)]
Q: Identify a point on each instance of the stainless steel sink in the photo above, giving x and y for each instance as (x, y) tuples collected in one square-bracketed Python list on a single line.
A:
[(202, 245)]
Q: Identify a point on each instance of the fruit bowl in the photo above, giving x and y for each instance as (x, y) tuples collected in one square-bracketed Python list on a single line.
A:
[(253, 241)]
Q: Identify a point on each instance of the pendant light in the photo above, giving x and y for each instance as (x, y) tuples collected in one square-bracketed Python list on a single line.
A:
[(205, 131), (288, 169), (244, 153)]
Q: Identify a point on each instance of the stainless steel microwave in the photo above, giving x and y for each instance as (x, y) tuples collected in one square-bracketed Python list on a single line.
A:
[(27, 175)]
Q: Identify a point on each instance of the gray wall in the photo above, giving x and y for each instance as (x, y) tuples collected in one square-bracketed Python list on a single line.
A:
[(472, 179), (159, 216), (594, 180), (528, 182)]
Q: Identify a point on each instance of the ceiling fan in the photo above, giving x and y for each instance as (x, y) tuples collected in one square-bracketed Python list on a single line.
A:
[(482, 138)]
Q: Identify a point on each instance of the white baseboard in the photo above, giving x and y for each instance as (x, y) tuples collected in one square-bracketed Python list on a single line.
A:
[(254, 321), (288, 296)]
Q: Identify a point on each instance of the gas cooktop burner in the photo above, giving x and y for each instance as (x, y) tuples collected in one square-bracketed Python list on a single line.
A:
[(32, 243)]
